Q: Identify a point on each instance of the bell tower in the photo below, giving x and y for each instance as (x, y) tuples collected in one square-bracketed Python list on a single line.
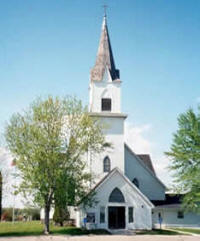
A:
[(105, 84), (105, 103)]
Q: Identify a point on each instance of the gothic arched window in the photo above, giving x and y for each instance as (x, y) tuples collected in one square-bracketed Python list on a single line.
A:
[(116, 196), (136, 182), (106, 164)]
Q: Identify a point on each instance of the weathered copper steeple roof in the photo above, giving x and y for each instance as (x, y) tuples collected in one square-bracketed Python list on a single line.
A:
[(104, 57)]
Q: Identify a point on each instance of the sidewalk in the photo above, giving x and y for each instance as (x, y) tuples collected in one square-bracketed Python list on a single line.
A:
[(104, 238)]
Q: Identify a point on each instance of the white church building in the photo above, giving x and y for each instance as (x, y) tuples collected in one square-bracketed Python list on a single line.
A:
[(128, 192)]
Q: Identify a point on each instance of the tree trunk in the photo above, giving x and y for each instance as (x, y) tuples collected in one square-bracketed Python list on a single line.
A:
[(1, 187), (46, 219)]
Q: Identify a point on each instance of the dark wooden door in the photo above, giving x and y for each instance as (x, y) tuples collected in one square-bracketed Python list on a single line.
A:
[(116, 217)]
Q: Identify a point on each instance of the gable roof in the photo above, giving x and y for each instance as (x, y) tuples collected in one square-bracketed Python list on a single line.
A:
[(144, 165), (147, 161), (117, 170)]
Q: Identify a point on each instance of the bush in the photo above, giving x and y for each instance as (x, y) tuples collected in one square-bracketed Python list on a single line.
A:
[(21, 214), (32, 213), (7, 214), (60, 215)]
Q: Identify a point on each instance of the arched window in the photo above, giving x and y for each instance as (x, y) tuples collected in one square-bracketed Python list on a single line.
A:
[(136, 182), (106, 164), (116, 196)]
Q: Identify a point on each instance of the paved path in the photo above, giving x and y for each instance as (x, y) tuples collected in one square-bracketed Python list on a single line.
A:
[(106, 238), (184, 232)]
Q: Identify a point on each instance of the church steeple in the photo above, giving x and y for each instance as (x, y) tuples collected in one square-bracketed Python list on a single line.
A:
[(105, 85), (104, 56)]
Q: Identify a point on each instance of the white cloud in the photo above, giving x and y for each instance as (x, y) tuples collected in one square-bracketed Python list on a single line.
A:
[(8, 180), (5, 157), (134, 137), (198, 100), (161, 164)]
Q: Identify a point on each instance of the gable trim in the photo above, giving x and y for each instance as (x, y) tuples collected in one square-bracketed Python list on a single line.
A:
[(109, 175)]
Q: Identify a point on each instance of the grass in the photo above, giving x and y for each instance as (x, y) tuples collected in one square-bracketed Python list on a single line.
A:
[(36, 228), (188, 230), (157, 232)]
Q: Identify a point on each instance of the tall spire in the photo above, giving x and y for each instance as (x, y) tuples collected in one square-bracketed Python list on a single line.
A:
[(104, 56), (105, 7)]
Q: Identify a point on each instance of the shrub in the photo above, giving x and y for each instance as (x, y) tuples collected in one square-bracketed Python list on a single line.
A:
[(60, 215), (31, 213), (7, 214), (21, 214)]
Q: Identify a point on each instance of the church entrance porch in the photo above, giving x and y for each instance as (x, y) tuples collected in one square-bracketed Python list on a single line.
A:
[(121, 207), (116, 217)]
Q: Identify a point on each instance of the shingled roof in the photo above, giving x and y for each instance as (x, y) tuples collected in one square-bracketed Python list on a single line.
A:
[(104, 57), (146, 159), (171, 201)]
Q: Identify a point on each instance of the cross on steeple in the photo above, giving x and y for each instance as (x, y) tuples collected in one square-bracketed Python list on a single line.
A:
[(104, 57), (105, 9)]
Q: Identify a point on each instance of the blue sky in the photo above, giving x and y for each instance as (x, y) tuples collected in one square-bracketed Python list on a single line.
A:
[(48, 47)]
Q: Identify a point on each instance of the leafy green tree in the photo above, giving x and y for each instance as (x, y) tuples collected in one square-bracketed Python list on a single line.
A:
[(185, 159), (60, 215), (49, 141)]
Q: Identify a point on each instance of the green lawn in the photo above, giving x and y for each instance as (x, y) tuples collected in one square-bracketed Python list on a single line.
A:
[(189, 230), (157, 232), (36, 228)]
